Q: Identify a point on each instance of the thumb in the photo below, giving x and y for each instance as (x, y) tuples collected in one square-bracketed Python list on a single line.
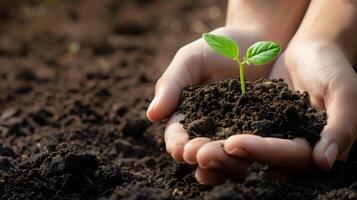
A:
[(184, 70), (340, 131)]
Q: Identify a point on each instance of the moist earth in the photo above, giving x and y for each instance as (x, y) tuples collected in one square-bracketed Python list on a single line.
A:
[(76, 79), (267, 109)]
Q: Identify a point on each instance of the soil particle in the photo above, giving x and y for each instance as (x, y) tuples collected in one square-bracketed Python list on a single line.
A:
[(69, 163), (253, 187), (268, 109), (12, 47), (339, 194), (135, 127), (202, 127), (140, 192), (230, 191), (131, 28), (5, 164), (7, 151), (118, 111)]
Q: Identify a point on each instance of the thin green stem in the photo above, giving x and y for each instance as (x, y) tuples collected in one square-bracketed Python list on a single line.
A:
[(241, 75)]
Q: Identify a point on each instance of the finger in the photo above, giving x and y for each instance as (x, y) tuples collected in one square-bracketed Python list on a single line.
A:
[(212, 156), (209, 177), (340, 131), (175, 137), (191, 148), (293, 154), (215, 177)]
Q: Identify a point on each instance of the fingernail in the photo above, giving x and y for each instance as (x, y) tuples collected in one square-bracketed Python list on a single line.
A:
[(214, 165), (236, 152), (231, 150), (331, 153), (152, 104)]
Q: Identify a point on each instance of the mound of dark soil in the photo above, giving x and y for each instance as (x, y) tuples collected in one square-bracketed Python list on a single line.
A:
[(268, 109), (63, 175)]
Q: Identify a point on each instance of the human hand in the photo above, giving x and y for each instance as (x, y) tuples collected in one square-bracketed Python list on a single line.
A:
[(247, 22), (322, 69), (196, 63), (288, 155), (317, 60), (325, 85)]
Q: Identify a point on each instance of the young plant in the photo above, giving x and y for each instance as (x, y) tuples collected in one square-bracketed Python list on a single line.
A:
[(259, 53)]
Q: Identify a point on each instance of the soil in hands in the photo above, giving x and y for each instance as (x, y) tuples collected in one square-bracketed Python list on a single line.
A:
[(268, 109)]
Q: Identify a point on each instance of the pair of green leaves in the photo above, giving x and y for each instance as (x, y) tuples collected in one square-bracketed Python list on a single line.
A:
[(258, 54)]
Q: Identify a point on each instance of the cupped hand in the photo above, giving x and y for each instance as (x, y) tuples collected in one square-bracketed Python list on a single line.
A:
[(322, 69), (197, 63)]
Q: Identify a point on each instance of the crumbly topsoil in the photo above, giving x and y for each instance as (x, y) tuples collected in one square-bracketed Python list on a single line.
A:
[(72, 120), (268, 109)]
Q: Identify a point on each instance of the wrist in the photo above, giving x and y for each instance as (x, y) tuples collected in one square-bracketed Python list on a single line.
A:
[(333, 22), (302, 52), (344, 40), (266, 29), (276, 20)]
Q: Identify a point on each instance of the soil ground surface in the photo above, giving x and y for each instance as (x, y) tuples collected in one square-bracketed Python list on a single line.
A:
[(76, 78), (268, 109)]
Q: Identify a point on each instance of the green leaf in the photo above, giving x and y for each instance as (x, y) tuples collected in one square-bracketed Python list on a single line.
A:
[(222, 45), (262, 52)]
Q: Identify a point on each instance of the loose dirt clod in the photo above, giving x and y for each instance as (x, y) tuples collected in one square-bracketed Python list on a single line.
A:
[(65, 175), (268, 109), (7, 151)]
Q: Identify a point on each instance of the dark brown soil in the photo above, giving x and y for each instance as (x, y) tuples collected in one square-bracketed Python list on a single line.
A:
[(268, 109), (76, 78)]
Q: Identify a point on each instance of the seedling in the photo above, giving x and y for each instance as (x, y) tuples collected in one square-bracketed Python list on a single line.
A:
[(259, 53)]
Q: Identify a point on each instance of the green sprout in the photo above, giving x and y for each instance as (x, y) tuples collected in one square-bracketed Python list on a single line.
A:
[(259, 53)]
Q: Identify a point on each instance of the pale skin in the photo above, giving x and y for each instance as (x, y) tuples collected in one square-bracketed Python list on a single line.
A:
[(319, 46)]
